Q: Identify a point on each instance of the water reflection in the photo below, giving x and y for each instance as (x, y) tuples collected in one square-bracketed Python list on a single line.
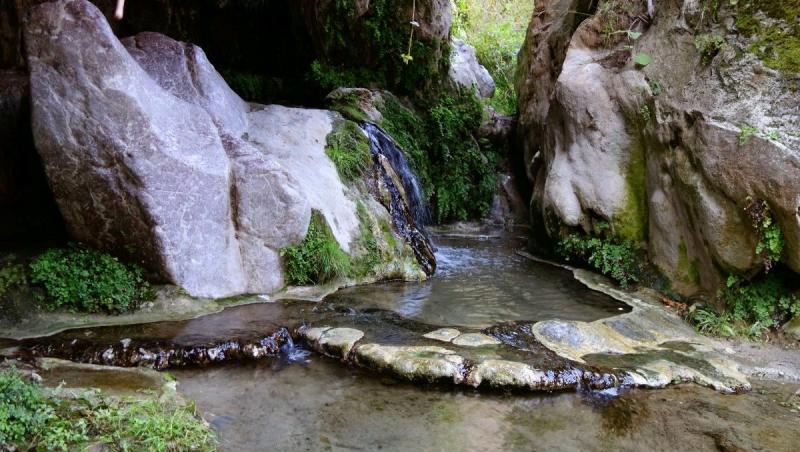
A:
[(480, 283)]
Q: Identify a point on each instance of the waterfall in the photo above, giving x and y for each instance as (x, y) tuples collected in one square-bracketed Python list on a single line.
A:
[(382, 144), (407, 207)]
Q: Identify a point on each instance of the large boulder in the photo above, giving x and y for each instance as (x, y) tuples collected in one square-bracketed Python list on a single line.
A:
[(467, 72), (660, 152), (141, 169), (151, 155)]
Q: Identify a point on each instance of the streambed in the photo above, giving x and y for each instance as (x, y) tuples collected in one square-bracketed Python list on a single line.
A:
[(293, 399)]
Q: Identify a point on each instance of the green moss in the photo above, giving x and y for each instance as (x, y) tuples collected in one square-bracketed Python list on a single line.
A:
[(348, 148), (318, 259), (630, 224), (365, 264), (689, 269), (387, 232), (777, 45)]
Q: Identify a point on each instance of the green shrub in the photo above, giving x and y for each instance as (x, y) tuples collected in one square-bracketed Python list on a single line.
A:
[(766, 301), (34, 417), (24, 409), (348, 148), (82, 279), (458, 180), (613, 259), (318, 259), (752, 307), (11, 276)]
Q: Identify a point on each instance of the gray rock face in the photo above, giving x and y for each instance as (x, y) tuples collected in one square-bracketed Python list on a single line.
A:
[(467, 72), (130, 165), (184, 71), (655, 151), (150, 153)]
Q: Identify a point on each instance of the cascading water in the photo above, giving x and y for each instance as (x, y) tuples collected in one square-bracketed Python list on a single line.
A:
[(408, 210), (382, 144)]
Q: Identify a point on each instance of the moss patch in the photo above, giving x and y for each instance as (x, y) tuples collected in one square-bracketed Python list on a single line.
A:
[(348, 148), (690, 271), (778, 44), (630, 224)]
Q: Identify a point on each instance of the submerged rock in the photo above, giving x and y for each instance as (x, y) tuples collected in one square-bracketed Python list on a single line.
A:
[(334, 342), (418, 363), (443, 334), (475, 340), (510, 374)]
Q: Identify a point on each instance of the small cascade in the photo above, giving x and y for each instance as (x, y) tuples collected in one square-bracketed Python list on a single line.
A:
[(382, 144), (161, 355), (407, 207)]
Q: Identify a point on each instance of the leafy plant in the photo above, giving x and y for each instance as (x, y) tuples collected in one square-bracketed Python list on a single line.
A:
[(709, 46), (82, 279), (745, 133), (641, 59), (11, 276), (318, 259), (771, 241), (645, 112), (614, 259), (348, 148), (37, 418)]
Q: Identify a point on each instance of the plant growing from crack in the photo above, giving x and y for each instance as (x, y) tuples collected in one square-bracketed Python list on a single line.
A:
[(414, 24)]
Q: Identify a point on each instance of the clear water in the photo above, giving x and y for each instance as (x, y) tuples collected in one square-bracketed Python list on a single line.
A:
[(479, 283), (321, 404)]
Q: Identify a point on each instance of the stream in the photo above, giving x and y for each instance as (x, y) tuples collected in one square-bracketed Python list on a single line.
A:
[(293, 399)]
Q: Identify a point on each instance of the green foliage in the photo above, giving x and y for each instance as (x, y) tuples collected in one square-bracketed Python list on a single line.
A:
[(606, 254), (709, 46), (457, 179), (82, 279), (776, 41), (383, 53), (496, 28), (318, 259), (645, 112), (348, 148), (148, 425), (641, 59), (35, 417), (764, 302), (771, 241), (254, 87), (708, 321), (11, 276), (745, 133), (24, 409)]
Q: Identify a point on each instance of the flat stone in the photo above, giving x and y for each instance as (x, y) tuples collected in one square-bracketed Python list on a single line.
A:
[(510, 374), (334, 342), (475, 340), (426, 363), (443, 334)]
